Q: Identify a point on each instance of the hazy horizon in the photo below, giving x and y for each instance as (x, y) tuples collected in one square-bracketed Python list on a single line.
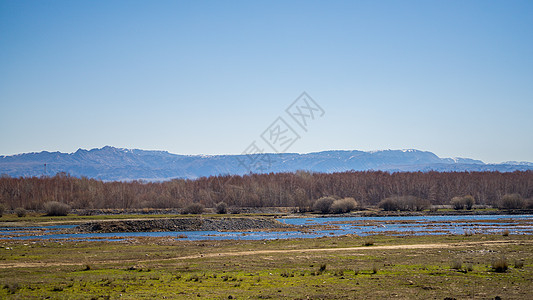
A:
[(289, 152)]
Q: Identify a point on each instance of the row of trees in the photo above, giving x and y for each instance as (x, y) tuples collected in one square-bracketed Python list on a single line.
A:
[(300, 189)]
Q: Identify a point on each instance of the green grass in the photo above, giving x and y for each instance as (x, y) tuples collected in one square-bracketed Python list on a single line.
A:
[(153, 268)]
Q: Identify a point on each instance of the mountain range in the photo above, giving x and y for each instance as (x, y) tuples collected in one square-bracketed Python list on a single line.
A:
[(110, 163)]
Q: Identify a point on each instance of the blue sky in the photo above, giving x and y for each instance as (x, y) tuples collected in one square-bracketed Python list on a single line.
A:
[(208, 77)]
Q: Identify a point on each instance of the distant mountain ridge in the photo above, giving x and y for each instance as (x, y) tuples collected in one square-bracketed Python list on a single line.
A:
[(110, 163)]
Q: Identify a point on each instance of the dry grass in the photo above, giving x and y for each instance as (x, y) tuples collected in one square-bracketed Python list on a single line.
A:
[(54, 208), (368, 242), (20, 212), (164, 267), (518, 264), (500, 265), (456, 264)]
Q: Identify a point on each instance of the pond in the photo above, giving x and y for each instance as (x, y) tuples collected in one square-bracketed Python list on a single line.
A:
[(310, 228)]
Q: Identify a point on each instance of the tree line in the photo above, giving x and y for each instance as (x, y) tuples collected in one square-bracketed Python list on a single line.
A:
[(298, 189)]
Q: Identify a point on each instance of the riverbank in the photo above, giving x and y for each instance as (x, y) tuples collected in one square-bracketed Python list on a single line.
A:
[(181, 224), (261, 228), (82, 217), (441, 212)]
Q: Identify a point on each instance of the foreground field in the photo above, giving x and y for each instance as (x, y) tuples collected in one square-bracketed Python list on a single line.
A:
[(327, 268)]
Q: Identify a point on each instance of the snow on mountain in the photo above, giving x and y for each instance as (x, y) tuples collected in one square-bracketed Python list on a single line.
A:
[(109, 163), (518, 163)]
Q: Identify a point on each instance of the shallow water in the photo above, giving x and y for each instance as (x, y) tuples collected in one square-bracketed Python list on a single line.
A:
[(327, 226)]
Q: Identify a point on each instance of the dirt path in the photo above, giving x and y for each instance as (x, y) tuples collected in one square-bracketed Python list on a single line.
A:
[(355, 249), (264, 252)]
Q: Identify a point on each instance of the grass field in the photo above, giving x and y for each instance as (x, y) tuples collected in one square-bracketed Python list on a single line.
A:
[(347, 267)]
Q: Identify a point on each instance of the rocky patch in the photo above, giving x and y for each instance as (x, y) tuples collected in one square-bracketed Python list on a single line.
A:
[(182, 224)]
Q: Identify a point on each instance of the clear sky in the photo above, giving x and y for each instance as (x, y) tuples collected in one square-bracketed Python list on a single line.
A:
[(208, 77)]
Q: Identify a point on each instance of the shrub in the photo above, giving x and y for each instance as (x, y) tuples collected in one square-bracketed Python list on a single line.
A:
[(235, 211), (457, 203), (323, 204), (287, 274), (12, 288), (469, 267), (343, 205), (54, 208), (468, 202), (457, 264), (322, 268), (518, 264), (368, 243), (529, 203), (20, 212), (404, 203), (465, 202), (194, 208), (221, 208), (2, 209), (500, 265), (512, 201), (420, 204), (389, 204)]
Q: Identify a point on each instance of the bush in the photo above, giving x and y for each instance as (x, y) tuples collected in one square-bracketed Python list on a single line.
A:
[(54, 208), (323, 204), (389, 204), (465, 202), (194, 208), (500, 265), (468, 202), (419, 204), (518, 264), (456, 264), (20, 212), (404, 203), (343, 205), (469, 267), (457, 203), (12, 288), (512, 201), (368, 243), (322, 268), (221, 208), (2, 209), (235, 211), (529, 203)]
